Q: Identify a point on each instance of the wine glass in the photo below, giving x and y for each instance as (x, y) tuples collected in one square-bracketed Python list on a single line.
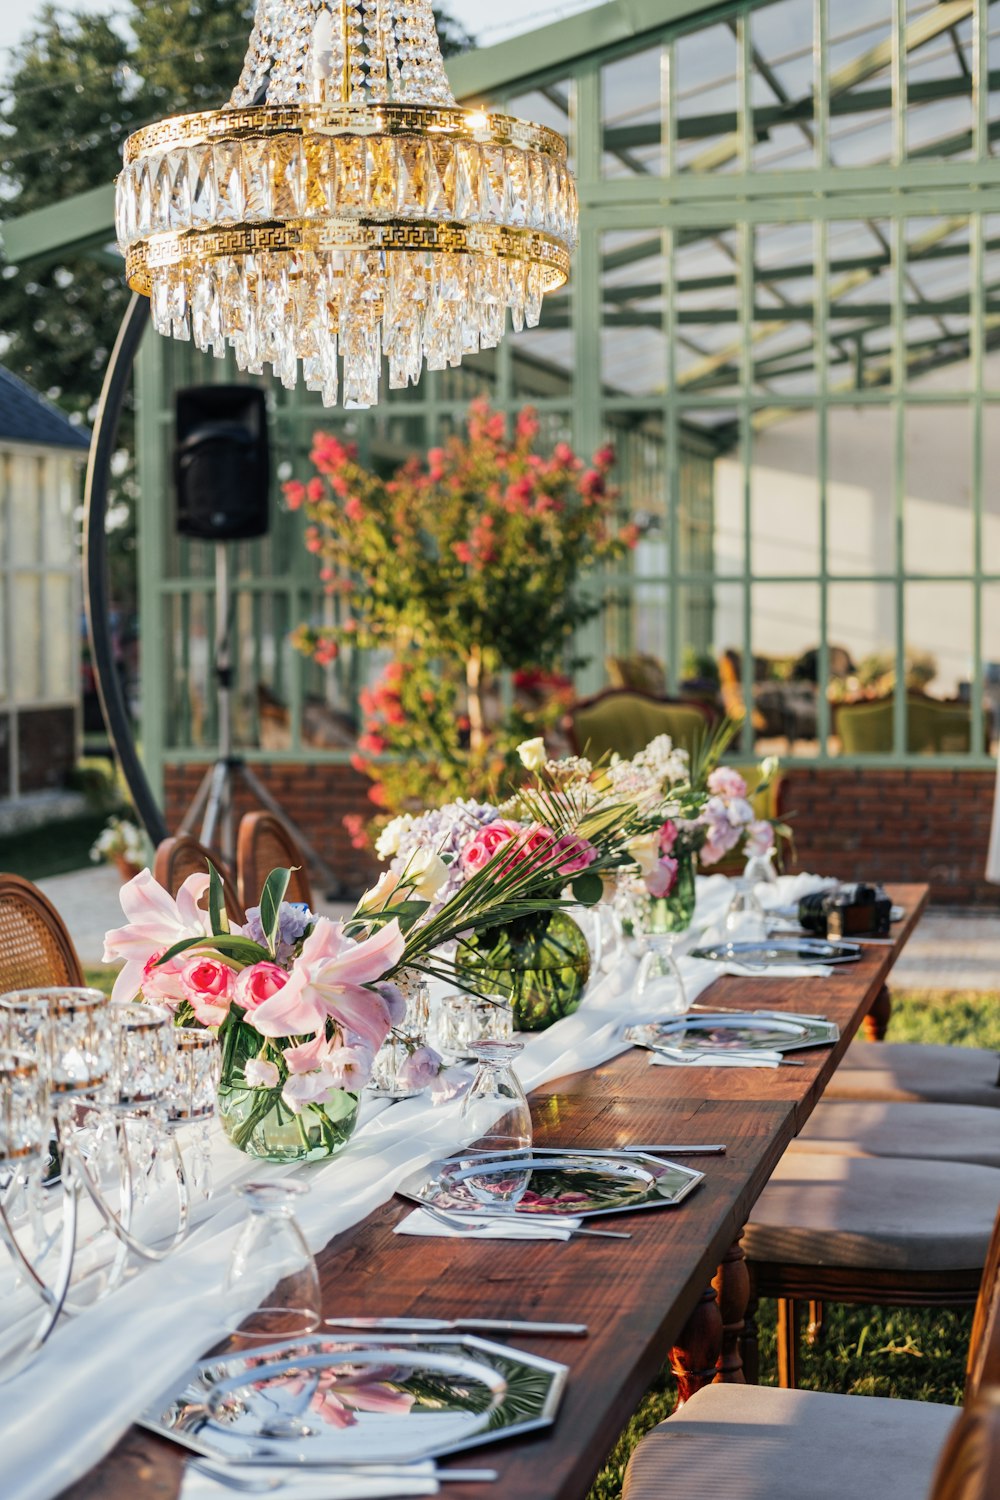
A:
[(496, 1119), (272, 1285), (745, 918)]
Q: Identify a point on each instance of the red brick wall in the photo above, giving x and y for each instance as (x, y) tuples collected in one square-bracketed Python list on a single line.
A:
[(884, 825), (316, 797), (874, 825)]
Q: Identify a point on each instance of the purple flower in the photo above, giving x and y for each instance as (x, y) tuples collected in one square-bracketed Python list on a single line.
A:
[(394, 999), (420, 1068), (294, 921)]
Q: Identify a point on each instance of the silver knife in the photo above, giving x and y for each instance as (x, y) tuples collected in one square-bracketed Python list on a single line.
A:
[(715, 1149), (463, 1325)]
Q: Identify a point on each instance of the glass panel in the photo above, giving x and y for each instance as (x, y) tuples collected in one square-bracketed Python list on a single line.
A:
[(785, 634), (25, 511), (27, 653), (938, 518), (991, 496), (936, 292), (860, 289), (640, 472), (861, 525), (632, 115), (542, 358), (783, 85), (861, 624), (706, 100), (707, 344), (991, 294), (939, 638), (61, 638), (939, 126), (784, 493), (712, 645), (709, 442), (633, 334), (783, 336), (859, 80)]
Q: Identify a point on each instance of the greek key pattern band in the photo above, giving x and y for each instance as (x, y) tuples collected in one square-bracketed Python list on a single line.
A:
[(381, 119), (194, 248)]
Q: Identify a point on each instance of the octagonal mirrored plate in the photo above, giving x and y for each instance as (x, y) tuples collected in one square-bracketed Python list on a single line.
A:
[(572, 1186), (773, 952), (414, 1397), (734, 1031)]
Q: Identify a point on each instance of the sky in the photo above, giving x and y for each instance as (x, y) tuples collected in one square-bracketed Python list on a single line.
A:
[(505, 17)]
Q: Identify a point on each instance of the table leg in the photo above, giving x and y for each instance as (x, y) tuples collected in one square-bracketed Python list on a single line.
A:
[(709, 1347), (877, 1019)]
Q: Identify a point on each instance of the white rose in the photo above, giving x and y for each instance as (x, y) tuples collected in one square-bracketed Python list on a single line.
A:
[(532, 753), (646, 852), (426, 873), (388, 842), (376, 898)]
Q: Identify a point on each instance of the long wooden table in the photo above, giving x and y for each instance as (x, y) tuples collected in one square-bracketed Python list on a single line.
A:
[(678, 1289)]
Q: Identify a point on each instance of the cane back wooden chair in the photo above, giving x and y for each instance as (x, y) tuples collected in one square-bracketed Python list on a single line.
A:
[(35, 948), (264, 844), (763, 1443), (181, 856)]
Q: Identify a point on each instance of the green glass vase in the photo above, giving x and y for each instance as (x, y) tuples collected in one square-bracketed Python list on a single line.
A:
[(675, 913), (541, 963), (257, 1121)]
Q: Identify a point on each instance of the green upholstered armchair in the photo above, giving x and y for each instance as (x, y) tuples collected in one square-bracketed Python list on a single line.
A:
[(932, 727), (625, 721)]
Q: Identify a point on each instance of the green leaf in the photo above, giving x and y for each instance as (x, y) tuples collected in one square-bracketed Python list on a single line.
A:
[(216, 899), (271, 897), (226, 943), (588, 888)]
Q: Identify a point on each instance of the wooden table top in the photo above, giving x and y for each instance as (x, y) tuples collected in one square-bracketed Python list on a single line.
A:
[(635, 1295)]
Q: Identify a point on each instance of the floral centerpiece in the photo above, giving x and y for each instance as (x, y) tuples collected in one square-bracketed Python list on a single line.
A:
[(300, 1007), (121, 843)]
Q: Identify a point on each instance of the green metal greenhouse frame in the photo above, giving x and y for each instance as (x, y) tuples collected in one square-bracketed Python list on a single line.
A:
[(680, 329)]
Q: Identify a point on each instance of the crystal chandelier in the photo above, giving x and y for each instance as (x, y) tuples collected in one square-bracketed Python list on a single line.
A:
[(342, 206)]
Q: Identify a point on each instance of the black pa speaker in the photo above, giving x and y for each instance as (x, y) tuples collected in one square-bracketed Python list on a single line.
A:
[(222, 465)]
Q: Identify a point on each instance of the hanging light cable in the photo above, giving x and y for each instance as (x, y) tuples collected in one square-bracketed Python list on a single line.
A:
[(342, 206)]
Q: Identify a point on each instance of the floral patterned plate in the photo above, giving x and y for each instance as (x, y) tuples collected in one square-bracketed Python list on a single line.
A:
[(571, 1186), (329, 1400)]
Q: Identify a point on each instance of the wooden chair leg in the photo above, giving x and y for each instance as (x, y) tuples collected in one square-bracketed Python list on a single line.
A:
[(788, 1343), (732, 1286), (749, 1346), (877, 1019), (695, 1357), (814, 1328)]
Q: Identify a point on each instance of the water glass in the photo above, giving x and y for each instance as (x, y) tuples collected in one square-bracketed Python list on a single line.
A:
[(466, 1020), (69, 1030), (745, 921), (272, 1285), (496, 1118)]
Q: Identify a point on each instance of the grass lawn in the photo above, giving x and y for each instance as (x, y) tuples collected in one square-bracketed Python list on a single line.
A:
[(37, 853), (866, 1351)]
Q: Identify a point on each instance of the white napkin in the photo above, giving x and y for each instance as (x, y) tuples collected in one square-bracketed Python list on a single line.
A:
[(513, 1228), (309, 1484), (777, 971), (718, 1060)]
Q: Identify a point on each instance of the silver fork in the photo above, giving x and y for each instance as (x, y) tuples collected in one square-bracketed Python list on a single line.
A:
[(455, 1221)]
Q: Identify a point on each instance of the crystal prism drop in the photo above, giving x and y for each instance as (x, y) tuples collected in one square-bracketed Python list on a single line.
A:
[(229, 181), (492, 189), (179, 210), (203, 196), (467, 173), (515, 209), (287, 177), (257, 180), (160, 214)]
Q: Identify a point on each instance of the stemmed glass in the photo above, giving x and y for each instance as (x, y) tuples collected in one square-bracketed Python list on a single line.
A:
[(745, 917), (272, 1285), (496, 1119), (656, 925)]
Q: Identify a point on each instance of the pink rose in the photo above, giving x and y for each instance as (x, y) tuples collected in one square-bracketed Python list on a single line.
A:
[(162, 982), (662, 880), (259, 983), (668, 836), (575, 854), (486, 843), (725, 782), (208, 987)]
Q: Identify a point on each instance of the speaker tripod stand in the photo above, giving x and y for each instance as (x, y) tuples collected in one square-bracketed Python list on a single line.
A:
[(213, 801)]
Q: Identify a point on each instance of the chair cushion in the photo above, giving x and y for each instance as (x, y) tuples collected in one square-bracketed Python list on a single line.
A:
[(927, 1132), (917, 1071), (880, 1213), (746, 1442)]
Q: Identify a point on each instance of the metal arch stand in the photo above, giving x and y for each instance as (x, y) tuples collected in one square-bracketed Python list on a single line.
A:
[(215, 793)]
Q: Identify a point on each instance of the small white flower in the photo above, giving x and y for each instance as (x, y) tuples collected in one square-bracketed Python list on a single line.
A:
[(261, 1074)]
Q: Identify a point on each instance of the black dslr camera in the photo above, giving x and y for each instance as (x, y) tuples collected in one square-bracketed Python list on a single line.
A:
[(849, 911)]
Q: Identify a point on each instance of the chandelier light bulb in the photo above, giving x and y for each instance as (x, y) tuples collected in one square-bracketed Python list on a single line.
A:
[(342, 206)]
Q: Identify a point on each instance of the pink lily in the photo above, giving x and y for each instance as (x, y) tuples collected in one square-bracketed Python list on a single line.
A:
[(327, 980), (156, 921)]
